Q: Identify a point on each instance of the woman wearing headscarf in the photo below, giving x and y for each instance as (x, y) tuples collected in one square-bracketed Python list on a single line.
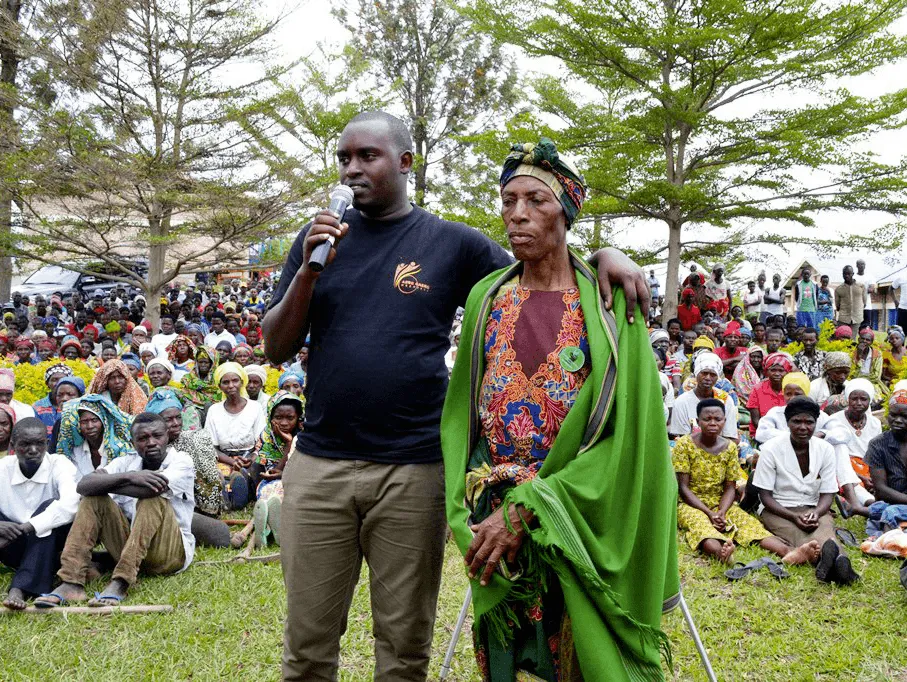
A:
[(767, 394), (46, 409), (836, 369), (114, 381), (7, 422), (868, 363), (68, 388), (894, 358), (528, 499), (797, 480), (71, 349), (198, 386), (707, 368), (93, 431), (181, 353), (243, 354), (258, 377), (748, 373), (159, 372), (235, 425), (290, 381), (147, 352), (888, 468), (7, 392), (24, 351), (209, 484)]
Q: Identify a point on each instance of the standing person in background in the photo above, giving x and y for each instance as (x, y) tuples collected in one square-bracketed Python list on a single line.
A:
[(752, 302), (654, 286), (869, 287), (773, 299), (367, 469), (849, 298), (719, 293), (825, 302), (688, 312), (806, 295), (899, 284)]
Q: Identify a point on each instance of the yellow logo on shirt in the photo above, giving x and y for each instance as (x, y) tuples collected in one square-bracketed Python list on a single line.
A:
[(405, 278)]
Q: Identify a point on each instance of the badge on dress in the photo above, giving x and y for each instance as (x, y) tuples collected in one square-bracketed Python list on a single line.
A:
[(572, 358)]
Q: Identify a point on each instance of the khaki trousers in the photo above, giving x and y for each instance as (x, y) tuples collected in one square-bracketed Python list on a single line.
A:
[(337, 512), (154, 543), (795, 536)]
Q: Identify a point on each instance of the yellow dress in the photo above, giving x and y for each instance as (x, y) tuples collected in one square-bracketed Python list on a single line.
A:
[(708, 474)]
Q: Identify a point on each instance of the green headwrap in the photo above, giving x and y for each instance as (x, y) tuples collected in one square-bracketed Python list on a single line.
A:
[(543, 162)]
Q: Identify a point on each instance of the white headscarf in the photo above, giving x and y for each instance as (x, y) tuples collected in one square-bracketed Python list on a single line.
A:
[(708, 361), (163, 362), (257, 371), (864, 385), (150, 347)]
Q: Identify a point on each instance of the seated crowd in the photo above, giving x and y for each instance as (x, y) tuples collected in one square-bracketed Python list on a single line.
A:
[(770, 432), (140, 440)]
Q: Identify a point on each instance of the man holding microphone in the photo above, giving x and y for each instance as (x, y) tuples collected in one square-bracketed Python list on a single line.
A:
[(366, 479)]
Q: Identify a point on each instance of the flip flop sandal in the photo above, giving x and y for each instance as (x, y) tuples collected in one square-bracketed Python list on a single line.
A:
[(843, 507), (847, 538), (98, 598), (49, 605), (741, 570), (777, 569)]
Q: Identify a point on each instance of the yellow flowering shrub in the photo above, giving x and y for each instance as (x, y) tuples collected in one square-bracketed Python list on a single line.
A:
[(30, 386), (273, 377)]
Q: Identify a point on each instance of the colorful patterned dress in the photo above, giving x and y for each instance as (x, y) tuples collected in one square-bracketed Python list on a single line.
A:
[(536, 360)]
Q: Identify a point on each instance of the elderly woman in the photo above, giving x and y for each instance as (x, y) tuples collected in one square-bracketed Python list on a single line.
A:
[(708, 468), (71, 349), (290, 381), (7, 390), (748, 373), (147, 353), (93, 431), (894, 358), (797, 481), (767, 394), (47, 409), (850, 432), (536, 403), (114, 381), (867, 364), (7, 422), (159, 372), (243, 354), (707, 367), (198, 386), (887, 459), (258, 377), (836, 370)]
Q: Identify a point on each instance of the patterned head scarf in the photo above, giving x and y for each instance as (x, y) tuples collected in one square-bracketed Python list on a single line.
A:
[(117, 438), (133, 399), (837, 360), (779, 358), (7, 379), (232, 368), (10, 412), (271, 451), (202, 392), (798, 379), (543, 162), (59, 369), (658, 335), (71, 341), (163, 399), (844, 332), (171, 348), (746, 378), (898, 398), (703, 342)]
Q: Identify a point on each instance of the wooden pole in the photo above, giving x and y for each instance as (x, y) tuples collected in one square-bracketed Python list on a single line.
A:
[(93, 611)]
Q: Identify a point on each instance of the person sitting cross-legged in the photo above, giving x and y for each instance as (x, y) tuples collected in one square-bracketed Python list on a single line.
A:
[(140, 507), (38, 501), (708, 468)]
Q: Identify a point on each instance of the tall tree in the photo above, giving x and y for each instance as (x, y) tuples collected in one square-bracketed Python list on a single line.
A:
[(146, 159), (10, 58), (681, 119), (450, 80)]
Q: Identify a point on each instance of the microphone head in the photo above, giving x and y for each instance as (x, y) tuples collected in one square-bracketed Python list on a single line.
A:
[(342, 192)]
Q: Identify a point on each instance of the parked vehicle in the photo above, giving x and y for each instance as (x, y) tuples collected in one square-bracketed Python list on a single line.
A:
[(58, 278)]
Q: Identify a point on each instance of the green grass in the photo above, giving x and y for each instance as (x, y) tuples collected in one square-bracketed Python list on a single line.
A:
[(228, 625)]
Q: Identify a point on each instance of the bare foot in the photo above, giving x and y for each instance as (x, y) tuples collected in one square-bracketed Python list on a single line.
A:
[(112, 595), (15, 600), (807, 553), (68, 591), (726, 554)]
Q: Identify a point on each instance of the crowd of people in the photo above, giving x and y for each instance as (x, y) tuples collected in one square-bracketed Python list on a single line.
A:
[(147, 435)]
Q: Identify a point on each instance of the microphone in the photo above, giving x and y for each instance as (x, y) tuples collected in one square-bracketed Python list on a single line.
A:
[(341, 198)]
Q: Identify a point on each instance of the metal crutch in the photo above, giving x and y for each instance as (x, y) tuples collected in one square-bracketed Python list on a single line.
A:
[(687, 616)]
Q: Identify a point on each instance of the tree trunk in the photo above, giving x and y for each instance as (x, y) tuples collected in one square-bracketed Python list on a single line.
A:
[(596, 234), (154, 284), (9, 67), (420, 143), (672, 280)]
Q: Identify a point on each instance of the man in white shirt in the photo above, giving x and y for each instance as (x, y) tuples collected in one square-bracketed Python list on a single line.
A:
[(899, 284), (38, 501), (140, 507), (166, 335), (218, 332)]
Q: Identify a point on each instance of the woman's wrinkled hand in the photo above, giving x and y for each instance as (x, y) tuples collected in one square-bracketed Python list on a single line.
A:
[(493, 541)]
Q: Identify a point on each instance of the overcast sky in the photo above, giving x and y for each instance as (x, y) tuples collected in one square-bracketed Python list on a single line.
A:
[(314, 19)]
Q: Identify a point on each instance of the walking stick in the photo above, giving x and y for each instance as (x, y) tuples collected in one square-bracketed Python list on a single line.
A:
[(687, 616), (694, 633), (451, 649)]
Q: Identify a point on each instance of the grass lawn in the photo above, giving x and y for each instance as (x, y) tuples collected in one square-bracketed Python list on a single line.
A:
[(228, 625)]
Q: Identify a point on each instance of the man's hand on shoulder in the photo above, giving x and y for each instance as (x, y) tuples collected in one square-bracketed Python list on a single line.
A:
[(615, 267)]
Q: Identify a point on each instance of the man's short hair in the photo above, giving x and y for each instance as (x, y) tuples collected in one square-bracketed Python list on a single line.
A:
[(774, 330), (810, 330), (399, 131), (26, 425), (145, 419)]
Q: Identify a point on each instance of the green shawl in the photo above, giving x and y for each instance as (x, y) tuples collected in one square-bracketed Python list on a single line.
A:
[(605, 498)]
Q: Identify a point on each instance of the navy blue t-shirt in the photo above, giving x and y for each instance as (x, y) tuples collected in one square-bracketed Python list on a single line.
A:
[(380, 320)]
